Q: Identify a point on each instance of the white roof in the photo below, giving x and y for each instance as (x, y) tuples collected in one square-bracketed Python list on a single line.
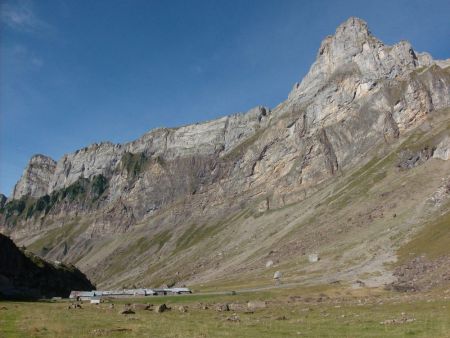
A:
[(179, 290)]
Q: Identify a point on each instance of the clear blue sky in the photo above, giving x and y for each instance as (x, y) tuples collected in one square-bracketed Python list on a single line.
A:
[(77, 72)]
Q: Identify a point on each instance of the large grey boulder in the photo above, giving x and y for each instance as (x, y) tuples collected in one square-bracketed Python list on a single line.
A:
[(442, 151)]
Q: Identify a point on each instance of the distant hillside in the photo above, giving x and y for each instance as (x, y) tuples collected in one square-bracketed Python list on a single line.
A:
[(23, 275)]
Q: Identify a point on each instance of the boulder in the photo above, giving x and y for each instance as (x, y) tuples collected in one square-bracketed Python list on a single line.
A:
[(442, 151), (127, 312), (142, 306), (256, 304), (234, 318), (182, 308), (277, 275), (236, 307), (222, 307), (162, 308)]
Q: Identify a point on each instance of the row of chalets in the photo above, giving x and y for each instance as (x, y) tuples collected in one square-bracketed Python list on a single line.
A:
[(98, 294)]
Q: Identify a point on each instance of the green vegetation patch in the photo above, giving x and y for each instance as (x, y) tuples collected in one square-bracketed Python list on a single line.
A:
[(160, 239), (195, 234), (64, 235), (240, 149), (14, 207), (99, 185), (433, 240), (134, 163), (143, 244), (84, 190)]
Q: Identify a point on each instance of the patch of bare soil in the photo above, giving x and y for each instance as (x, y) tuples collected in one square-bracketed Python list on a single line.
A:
[(421, 274)]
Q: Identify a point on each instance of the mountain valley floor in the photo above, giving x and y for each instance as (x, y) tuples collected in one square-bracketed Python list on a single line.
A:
[(331, 310)]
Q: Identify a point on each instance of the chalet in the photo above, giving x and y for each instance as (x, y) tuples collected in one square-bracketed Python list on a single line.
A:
[(82, 295), (179, 291)]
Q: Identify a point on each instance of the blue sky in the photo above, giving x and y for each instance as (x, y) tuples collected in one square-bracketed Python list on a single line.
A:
[(77, 72)]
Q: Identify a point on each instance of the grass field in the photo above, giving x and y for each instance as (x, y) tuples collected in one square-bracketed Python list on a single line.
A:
[(315, 312)]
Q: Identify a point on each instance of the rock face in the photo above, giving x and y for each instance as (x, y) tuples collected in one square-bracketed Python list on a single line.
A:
[(97, 159), (23, 276), (35, 178), (359, 95)]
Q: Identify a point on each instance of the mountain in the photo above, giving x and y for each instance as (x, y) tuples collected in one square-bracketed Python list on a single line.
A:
[(349, 167), (23, 275)]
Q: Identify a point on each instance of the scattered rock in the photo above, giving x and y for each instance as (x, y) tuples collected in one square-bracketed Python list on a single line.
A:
[(182, 308), (358, 284), (234, 318), (253, 305), (293, 299), (410, 160), (106, 332), (235, 307), (403, 320), (269, 264), (313, 258), (3, 308), (127, 312), (277, 275), (99, 332), (162, 308), (142, 306), (120, 329), (421, 274), (74, 306), (281, 318), (222, 307)]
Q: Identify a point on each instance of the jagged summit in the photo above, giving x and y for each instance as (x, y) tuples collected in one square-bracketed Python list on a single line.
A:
[(353, 32), (353, 26), (353, 48)]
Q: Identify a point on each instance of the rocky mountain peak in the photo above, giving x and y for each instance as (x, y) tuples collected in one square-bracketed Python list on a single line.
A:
[(354, 50), (350, 39), (354, 30)]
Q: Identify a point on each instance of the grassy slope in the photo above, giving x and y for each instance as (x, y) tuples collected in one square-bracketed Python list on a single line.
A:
[(433, 240)]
